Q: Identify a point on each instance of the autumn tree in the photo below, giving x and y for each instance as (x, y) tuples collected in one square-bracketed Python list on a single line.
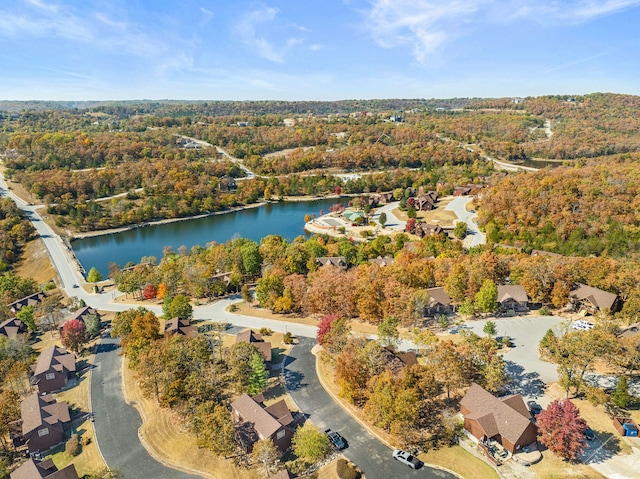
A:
[(74, 335), (27, 316), (460, 230), (177, 307), (265, 456), (393, 405), (310, 444), (215, 429), (562, 429), (149, 291), (94, 275), (388, 331), (337, 335), (486, 297)]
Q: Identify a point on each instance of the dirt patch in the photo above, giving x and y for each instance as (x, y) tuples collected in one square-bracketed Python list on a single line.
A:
[(286, 152)]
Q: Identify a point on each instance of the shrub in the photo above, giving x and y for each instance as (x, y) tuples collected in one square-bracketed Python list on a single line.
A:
[(346, 469), (86, 440), (287, 338), (49, 286), (544, 311), (266, 331), (72, 446)]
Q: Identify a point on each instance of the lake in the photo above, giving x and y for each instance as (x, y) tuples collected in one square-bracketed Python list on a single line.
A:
[(285, 219)]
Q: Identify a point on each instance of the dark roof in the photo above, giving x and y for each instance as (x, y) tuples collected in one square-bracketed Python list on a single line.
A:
[(180, 326), (251, 411), (12, 327), (251, 337), (57, 358), (30, 300), (599, 298), (337, 261), (507, 416), (396, 362), (438, 296), (37, 411), (45, 469), (382, 261)]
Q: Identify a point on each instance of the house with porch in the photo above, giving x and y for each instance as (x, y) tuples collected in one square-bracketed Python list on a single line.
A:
[(44, 422), (30, 300), (589, 300), (255, 421), (505, 420), (335, 261), (439, 302), (512, 298), (179, 326), (81, 315)]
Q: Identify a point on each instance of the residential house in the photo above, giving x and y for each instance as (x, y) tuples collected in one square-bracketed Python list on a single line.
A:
[(461, 191), (512, 298), (180, 326), (505, 420), (55, 366), (589, 300), (44, 422), (227, 183), (255, 421), (425, 229), (81, 315), (382, 261), (424, 203), (396, 361), (335, 261), (44, 470), (263, 347), (354, 217), (439, 302), (30, 300), (12, 327)]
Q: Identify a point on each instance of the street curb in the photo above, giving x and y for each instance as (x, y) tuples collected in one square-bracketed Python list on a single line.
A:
[(369, 429)]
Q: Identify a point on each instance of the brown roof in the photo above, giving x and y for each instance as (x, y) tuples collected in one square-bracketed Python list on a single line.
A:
[(507, 416), (439, 296), (45, 469), (337, 261), (12, 327), (395, 362), (55, 357), (30, 300), (251, 337), (37, 411), (599, 298), (512, 291), (263, 422), (281, 412), (81, 315), (180, 326)]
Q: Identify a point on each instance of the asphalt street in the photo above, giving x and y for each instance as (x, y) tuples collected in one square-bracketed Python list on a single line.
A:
[(117, 422), (373, 458), (458, 205)]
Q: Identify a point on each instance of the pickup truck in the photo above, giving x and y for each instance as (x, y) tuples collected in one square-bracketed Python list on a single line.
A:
[(336, 439)]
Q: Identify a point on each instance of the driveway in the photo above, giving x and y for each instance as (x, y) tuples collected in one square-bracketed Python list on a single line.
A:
[(117, 423), (393, 223), (371, 456), (527, 371)]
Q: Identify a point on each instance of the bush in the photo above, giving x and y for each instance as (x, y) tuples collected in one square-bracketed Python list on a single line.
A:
[(86, 440), (544, 311), (49, 286), (72, 446), (346, 470), (287, 338), (266, 331)]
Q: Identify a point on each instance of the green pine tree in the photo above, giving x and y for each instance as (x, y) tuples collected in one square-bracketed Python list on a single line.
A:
[(258, 376)]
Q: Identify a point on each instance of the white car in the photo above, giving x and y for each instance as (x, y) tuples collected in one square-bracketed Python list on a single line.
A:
[(582, 325), (406, 458)]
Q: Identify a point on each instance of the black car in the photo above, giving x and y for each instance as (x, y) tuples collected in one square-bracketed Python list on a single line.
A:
[(589, 435), (534, 408)]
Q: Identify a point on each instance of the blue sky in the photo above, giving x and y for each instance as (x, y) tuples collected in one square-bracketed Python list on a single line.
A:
[(316, 49)]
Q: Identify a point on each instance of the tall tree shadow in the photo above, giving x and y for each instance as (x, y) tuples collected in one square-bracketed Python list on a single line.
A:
[(524, 383)]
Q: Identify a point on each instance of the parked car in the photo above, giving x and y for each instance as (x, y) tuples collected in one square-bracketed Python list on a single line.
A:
[(336, 439), (406, 458), (588, 434), (504, 341), (582, 325), (534, 408)]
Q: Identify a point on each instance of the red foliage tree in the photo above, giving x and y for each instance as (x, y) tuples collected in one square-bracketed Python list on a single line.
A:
[(149, 291), (325, 326), (74, 335), (338, 190), (410, 226), (562, 429)]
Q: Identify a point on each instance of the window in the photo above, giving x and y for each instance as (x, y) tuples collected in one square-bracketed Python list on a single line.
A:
[(280, 434), (50, 376), (43, 432)]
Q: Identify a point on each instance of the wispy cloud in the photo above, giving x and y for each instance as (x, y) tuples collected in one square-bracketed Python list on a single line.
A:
[(425, 25), (251, 28)]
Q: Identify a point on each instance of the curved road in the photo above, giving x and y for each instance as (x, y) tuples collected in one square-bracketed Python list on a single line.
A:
[(116, 422), (371, 456)]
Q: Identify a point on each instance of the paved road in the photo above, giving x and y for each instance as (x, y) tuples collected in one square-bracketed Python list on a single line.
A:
[(117, 422), (373, 458), (475, 237)]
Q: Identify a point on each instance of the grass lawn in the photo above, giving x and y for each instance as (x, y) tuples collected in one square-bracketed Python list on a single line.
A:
[(167, 438), (35, 263)]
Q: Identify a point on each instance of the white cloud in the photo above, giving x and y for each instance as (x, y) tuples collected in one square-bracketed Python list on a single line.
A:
[(425, 25), (251, 28)]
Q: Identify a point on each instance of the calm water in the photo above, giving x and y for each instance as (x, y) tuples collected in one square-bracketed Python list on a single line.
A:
[(285, 219)]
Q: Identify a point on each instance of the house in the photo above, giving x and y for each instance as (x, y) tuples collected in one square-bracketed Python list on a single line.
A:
[(461, 191), (263, 347), (81, 315), (512, 298), (44, 422), (55, 366), (588, 300), (227, 183), (382, 262), (354, 216), (425, 229), (505, 420), (12, 327), (335, 261), (30, 300), (255, 421), (44, 470), (180, 326), (439, 302), (397, 361), (424, 203), (629, 332)]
